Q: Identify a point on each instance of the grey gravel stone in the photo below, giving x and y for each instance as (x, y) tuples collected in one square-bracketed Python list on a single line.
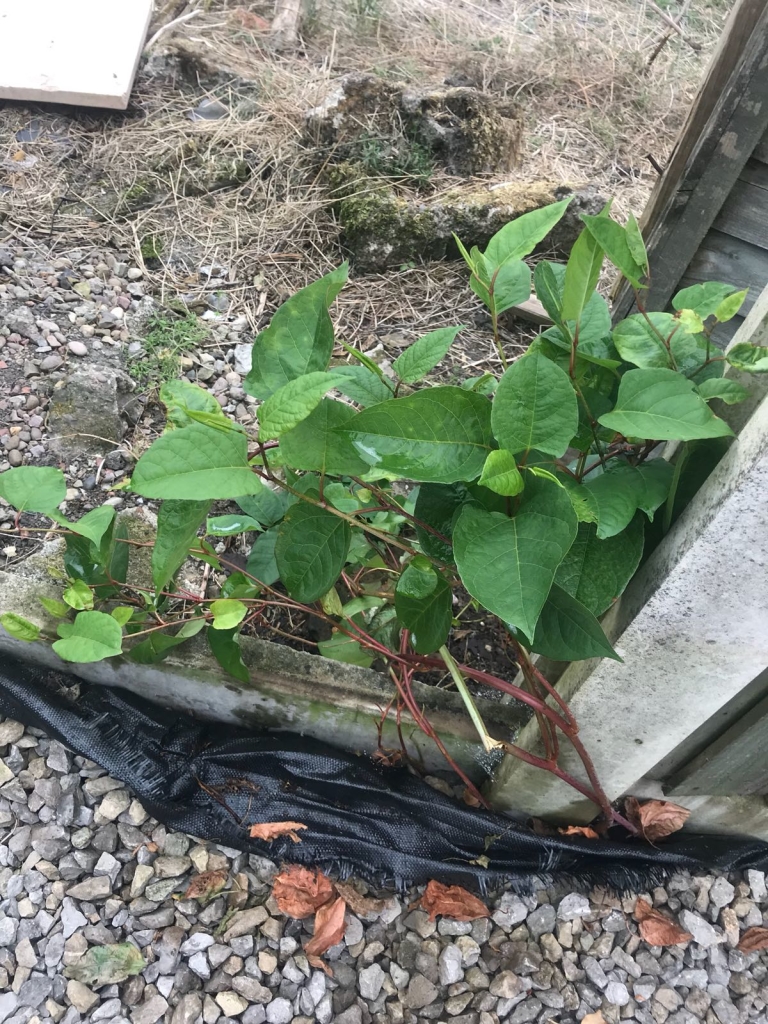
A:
[(370, 981), (541, 920), (450, 965), (573, 906), (702, 931), (721, 892)]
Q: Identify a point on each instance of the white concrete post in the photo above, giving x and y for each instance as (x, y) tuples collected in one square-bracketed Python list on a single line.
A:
[(692, 629)]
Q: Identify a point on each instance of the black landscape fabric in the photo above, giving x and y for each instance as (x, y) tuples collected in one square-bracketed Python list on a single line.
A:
[(382, 824)]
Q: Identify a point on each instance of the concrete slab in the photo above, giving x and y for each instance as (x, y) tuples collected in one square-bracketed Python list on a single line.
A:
[(83, 52), (691, 628)]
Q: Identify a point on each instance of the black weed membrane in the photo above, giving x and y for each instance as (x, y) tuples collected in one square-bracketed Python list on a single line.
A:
[(382, 824)]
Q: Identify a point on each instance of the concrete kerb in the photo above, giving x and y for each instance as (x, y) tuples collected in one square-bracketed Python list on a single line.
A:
[(289, 690)]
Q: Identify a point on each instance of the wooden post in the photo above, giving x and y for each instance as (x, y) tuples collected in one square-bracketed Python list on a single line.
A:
[(285, 24), (726, 123)]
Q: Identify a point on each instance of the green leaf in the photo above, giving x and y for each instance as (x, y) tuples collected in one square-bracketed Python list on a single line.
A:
[(511, 285), (690, 321), (228, 613), (238, 585), (744, 356), (636, 243), (730, 306), (58, 609), (612, 239), (318, 444), (480, 281), (637, 341), (227, 526), (657, 479), (595, 571), (437, 435), (93, 524), (521, 236), (299, 339), (614, 496), (548, 281), (362, 385), (293, 402), (157, 645), (78, 596), (184, 401), (225, 645), (728, 391), (331, 603), (582, 273), (690, 353), (107, 965), (19, 628), (703, 298), (423, 355), (567, 631), (311, 550), (662, 405), (437, 505), (423, 605), (535, 407), (266, 505), (261, 561), (341, 647), (500, 473), (509, 565), (92, 636), (122, 615), (196, 463), (33, 488), (177, 526)]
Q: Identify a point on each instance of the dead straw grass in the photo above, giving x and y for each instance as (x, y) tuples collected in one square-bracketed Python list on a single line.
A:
[(593, 106)]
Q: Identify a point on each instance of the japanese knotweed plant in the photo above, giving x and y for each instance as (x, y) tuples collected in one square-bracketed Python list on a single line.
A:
[(387, 506)]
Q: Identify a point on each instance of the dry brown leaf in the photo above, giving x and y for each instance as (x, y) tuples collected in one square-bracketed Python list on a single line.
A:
[(470, 799), (593, 1018), (206, 885), (299, 892), (269, 830), (360, 905), (587, 833), (452, 901), (656, 928), (753, 939), (329, 928), (656, 818), (320, 964)]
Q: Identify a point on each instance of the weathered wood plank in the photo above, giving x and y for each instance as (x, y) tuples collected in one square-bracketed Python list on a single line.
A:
[(729, 118), (74, 52), (744, 214), (725, 258), (734, 765), (756, 172)]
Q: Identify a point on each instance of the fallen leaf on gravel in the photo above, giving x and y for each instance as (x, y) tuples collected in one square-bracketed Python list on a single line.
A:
[(299, 892), (753, 939), (593, 1018), (107, 965), (452, 901), (656, 928), (269, 830), (587, 833), (360, 905), (656, 818), (329, 928), (206, 885), (319, 964)]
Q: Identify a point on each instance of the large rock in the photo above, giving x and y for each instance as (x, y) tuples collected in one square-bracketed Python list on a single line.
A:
[(397, 129), (85, 411), (383, 229)]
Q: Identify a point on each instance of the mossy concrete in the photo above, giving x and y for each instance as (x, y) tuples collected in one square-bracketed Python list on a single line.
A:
[(288, 690), (383, 227)]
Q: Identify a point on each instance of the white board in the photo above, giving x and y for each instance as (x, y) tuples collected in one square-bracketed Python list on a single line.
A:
[(71, 51)]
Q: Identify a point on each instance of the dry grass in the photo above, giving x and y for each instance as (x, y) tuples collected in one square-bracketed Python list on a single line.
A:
[(594, 110)]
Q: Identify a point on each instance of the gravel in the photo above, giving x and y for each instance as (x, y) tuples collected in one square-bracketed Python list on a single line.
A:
[(74, 875)]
